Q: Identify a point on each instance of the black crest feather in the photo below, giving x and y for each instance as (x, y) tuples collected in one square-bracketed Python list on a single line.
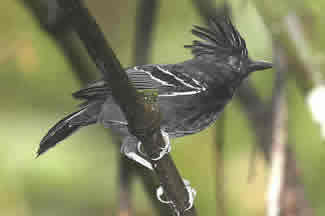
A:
[(220, 39)]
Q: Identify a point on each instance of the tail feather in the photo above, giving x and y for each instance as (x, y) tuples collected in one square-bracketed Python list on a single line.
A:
[(67, 126)]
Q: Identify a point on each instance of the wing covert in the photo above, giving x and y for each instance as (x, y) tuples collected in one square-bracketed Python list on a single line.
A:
[(167, 81)]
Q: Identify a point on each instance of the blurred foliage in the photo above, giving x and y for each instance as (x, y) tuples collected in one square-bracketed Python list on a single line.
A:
[(79, 176)]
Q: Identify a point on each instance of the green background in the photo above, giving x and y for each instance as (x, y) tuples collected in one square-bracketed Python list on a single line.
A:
[(79, 176)]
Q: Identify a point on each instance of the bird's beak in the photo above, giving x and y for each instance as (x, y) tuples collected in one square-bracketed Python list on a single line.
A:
[(259, 65)]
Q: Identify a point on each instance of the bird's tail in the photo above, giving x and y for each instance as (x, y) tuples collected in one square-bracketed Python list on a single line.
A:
[(68, 125)]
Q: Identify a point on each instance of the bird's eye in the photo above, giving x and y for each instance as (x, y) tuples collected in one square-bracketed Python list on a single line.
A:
[(235, 63)]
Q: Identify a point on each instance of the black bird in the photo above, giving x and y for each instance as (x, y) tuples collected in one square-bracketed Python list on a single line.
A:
[(191, 94)]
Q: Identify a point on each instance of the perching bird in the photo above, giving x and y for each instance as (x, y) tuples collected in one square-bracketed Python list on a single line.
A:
[(191, 94)]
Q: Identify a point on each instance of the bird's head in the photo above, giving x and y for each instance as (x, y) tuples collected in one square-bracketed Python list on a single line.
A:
[(221, 43)]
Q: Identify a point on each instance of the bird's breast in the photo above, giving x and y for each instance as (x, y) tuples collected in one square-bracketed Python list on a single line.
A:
[(188, 115)]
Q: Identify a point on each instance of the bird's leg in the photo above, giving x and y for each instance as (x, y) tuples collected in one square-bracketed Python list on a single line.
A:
[(129, 149), (191, 196)]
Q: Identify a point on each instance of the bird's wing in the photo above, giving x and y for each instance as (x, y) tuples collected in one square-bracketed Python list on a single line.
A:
[(167, 79)]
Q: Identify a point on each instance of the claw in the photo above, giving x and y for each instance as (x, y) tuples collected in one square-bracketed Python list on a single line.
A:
[(139, 144), (166, 149), (191, 196), (137, 158), (129, 149), (159, 193)]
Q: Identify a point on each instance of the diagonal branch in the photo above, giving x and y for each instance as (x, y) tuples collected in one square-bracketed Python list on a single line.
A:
[(55, 23), (143, 117), (145, 19)]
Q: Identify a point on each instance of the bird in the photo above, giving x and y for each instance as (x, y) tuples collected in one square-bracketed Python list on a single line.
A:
[(191, 94)]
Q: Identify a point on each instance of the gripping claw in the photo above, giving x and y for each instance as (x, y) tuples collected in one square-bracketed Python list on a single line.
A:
[(164, 150), (191, 196)]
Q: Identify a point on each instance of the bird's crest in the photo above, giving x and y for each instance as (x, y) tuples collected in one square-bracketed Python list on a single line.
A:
[(220, 40)]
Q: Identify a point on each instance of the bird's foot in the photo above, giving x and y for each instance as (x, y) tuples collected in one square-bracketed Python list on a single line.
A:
[(164, 150), (129, 149), (191, 196)]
